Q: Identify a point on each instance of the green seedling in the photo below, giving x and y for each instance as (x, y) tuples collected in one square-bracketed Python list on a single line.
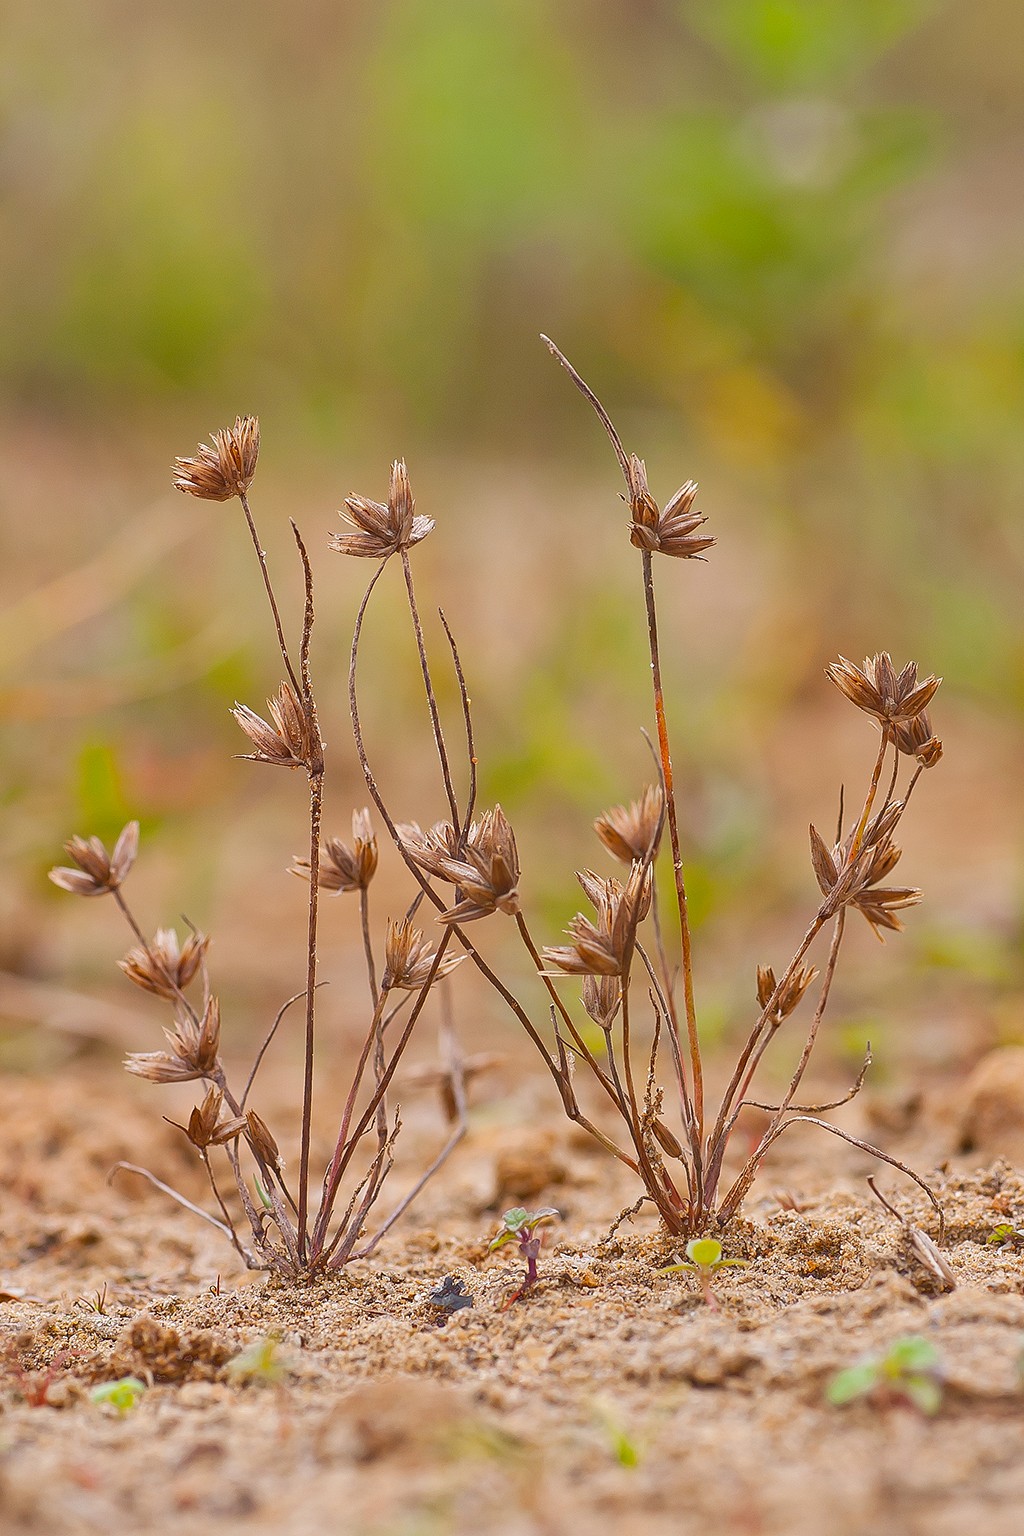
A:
[(704, 1259), (123, 1394), (259, 1362), (622, 1444), (908, 1372), (1007, 1236), (525, 1228)]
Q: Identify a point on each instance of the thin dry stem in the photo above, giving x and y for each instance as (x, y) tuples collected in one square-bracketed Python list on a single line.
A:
[(467, 715), (261, 556), (428, 685), (693, 1039)]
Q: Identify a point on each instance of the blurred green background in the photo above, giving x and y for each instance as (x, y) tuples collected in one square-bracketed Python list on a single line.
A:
[(781, 238)]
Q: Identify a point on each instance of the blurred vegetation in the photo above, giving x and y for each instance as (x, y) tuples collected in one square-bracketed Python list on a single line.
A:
[(780, 236)]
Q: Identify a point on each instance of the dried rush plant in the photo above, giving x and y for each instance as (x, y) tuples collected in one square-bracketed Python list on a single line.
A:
[(285, 1234), (677, 1153)]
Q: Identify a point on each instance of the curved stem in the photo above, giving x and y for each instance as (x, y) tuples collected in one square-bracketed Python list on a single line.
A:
[(467, 716), (435, 718), (567, 1018), (262, 557), (266, 1044)]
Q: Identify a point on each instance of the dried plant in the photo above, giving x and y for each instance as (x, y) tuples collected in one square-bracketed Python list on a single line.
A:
[(286, 1232), (679, 1152), (466, 867)]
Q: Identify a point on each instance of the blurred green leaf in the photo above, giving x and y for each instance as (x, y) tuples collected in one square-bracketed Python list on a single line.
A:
[(805, 43)]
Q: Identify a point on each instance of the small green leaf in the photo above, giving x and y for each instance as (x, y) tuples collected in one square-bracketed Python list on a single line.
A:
[(705, 1252), (123, 1394), (264, 1197), (258, 1362), (624, 1449), (911, 1353), (620, 1442), (924, 1392), (856, 1381), (1006, 1232), (518, 1221)]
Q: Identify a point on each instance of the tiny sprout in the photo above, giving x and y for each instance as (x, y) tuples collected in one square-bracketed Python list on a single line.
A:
[(261, 1362), (123, 1394), (908, 1372), (522, 1226), (622, 1444), (704, 1258), (1006, 1235)]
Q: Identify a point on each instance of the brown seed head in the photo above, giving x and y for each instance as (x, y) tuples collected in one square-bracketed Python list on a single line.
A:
[(205, 1127), (165, 967), (431, 849), (207, 1047), (602, 998), (227, 1130), (194, 1049), (263, 1141), (202, 1121), (604, 947), (382, 530), (225, 466), (98, 871), (287, 743), (879, 904), (486, 871), (844, 881), (344, 866), (632, 832), (791, 994), (914, 738), (408, 958), (671, 530), (878, 689), (881, 827)]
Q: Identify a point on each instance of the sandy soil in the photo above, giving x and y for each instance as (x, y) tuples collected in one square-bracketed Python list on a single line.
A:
[(607, 1399)]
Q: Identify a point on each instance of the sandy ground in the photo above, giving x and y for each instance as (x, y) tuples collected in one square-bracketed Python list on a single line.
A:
[(607, 1399)]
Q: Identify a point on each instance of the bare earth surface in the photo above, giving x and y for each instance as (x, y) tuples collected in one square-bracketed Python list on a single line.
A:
[(608, 1399)]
